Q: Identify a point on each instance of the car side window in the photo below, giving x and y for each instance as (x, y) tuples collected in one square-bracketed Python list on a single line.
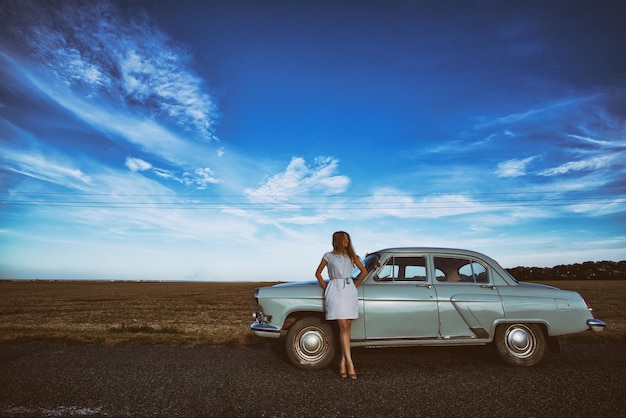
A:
[(460, 270), (473, 272), (402, 269), (387, 273)]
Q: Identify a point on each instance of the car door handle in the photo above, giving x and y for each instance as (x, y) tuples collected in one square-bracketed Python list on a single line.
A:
[(429, 286), (488, 286)]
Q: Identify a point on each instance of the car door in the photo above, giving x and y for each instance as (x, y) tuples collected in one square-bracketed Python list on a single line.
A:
[(399, 301), (469, 303)]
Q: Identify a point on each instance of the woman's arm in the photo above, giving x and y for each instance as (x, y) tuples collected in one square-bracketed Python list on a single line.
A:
[(362, 274), (318, 273)]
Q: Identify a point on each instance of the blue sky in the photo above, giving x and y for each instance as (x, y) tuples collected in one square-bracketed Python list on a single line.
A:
[(227, 140)]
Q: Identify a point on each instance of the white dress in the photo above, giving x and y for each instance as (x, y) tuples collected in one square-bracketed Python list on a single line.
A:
[(340, 296)]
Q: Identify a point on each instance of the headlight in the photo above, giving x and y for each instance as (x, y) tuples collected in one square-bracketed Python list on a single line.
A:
[(261, 318)]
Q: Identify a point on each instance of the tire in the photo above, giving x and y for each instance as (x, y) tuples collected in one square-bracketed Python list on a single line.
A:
[(520, 344), (310, 343)]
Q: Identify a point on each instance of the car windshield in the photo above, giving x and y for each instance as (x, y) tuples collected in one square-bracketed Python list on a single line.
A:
[(370, 261)]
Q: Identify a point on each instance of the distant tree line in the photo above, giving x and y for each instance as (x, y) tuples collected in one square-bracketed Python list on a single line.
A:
[(589, 270)]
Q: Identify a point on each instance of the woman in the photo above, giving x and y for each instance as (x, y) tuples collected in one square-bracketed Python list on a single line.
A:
[(340, 294)]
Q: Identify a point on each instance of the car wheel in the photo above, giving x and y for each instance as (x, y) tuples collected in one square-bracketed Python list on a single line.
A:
[(520, 344), (310, 343)]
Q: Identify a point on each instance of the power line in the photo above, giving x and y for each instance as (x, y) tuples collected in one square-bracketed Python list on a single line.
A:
[(292, 206), (289, 202), (277, 195)]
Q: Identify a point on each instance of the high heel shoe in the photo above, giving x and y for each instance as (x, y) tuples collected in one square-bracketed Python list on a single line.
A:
[(352, 375), (342, 371)]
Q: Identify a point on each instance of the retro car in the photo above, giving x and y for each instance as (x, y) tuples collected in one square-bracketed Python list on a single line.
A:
[(427, 297)]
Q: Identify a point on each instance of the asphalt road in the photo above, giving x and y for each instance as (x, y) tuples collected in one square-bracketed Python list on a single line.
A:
[(43, 380)]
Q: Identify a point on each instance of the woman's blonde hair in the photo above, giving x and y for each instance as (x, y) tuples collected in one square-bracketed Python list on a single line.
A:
[(338, 243)]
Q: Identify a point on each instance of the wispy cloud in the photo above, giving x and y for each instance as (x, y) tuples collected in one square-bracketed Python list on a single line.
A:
[(619, 143), (393, 203), (530, 113), (117, 124), (591, 140), (137, 164), (600, 207), (121, 204), (200, 177), (300, 179), (514, 167), (595, 163), (96, 52), (49, 167)]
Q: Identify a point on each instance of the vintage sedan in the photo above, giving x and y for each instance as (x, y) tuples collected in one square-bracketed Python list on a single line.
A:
[(427, 297)]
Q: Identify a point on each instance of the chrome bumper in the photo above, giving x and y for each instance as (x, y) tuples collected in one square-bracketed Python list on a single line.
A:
[(595, 325), (265, 330)]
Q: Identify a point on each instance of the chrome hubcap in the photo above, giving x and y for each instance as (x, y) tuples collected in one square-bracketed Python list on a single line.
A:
[(311, 345), (311, 342), (520, 341)]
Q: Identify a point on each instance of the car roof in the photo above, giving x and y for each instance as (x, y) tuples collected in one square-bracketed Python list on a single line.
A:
[(439, 250), (428, 250)]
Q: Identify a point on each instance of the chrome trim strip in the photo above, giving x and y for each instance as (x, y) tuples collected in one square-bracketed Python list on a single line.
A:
[(394, 339), (459, 336)]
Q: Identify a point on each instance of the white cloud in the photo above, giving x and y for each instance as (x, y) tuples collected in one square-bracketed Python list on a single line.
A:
[(140, 68), (137, 164), (124, 205), (118, 125), (590, 140), (600, 207), (522, 116), (164, 174), (595, 163), (394, 203), (514, 167), (155, 74), (50, 167), (201, 177), (116, 121), (299, 179)]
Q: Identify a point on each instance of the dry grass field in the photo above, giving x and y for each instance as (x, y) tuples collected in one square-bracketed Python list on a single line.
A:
[(130, 313), (188, 314)]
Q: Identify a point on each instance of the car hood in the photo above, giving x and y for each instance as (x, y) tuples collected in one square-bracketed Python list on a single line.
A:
[(298, 284), (292, 290)]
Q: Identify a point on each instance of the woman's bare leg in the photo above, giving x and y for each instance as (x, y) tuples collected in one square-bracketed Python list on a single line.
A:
[(344, 339)]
